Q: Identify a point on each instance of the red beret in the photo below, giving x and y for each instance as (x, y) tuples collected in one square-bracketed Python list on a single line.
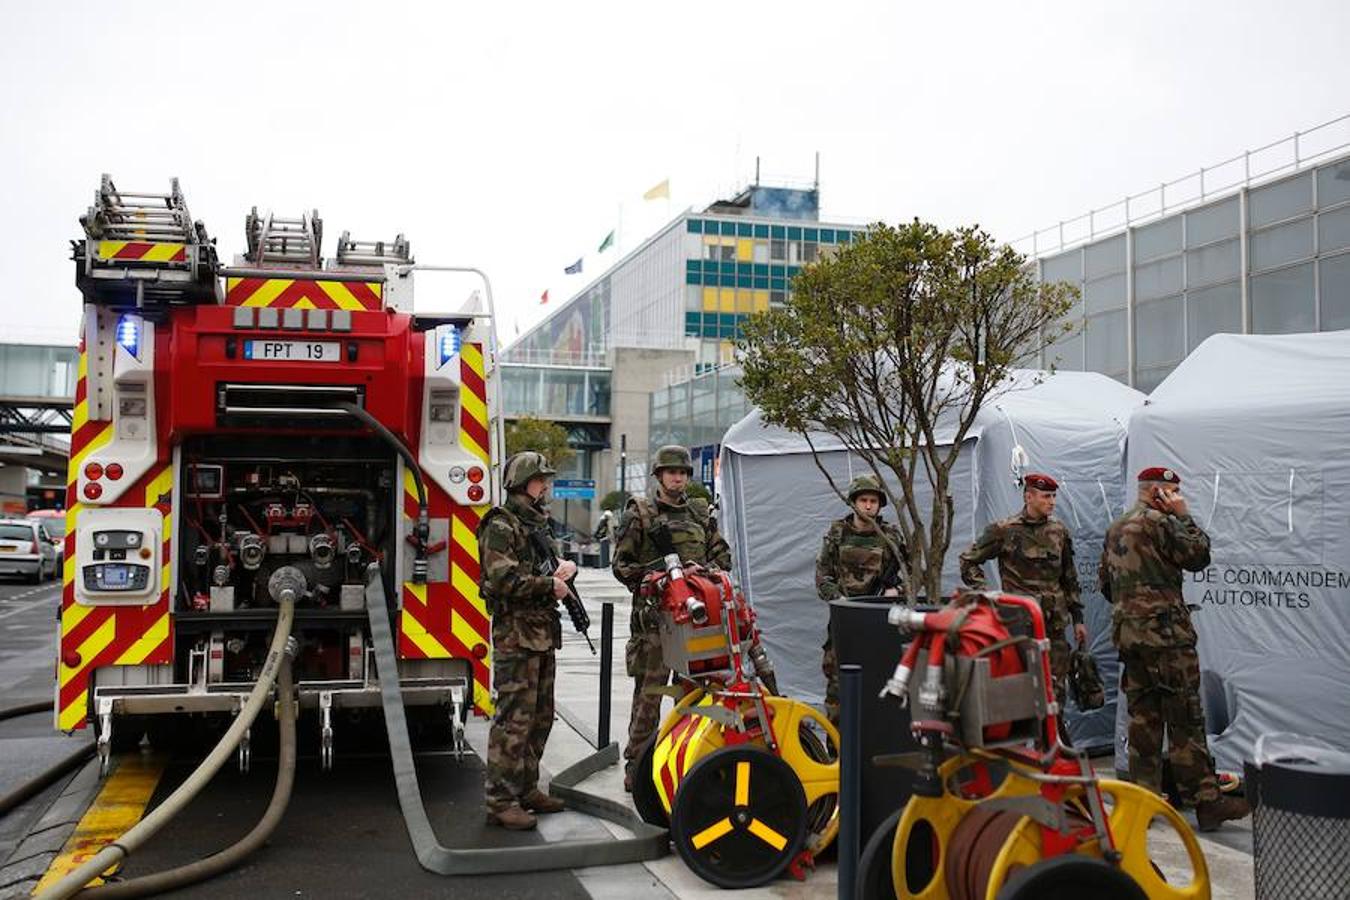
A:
[(1158, 473), (1040, 482)]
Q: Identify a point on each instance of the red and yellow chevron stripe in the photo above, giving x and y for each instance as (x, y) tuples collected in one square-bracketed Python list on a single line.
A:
[(473, 415), (691, 738), (449, 619), (94, 636), (304, 293), (140, 251)]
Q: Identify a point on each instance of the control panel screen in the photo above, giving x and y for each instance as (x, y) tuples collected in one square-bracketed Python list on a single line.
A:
[(116, 577)]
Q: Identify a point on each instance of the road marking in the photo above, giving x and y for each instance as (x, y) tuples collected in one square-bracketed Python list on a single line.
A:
[(118, 806), (25, 608)]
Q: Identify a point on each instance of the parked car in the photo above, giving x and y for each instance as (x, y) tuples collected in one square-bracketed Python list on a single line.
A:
[(55, 522), (27, 549)]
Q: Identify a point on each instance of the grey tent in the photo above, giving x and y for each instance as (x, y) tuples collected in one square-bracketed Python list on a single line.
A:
[(776, 506), (1258, 427)]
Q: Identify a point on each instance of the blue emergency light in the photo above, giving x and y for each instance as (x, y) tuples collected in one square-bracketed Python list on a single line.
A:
[(129, 335), (449, 343)]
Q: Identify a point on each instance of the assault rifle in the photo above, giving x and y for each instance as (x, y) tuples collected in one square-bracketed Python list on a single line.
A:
[(571, 602)]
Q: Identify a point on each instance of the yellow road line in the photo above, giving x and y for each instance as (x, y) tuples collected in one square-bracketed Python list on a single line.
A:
[(118, 806)]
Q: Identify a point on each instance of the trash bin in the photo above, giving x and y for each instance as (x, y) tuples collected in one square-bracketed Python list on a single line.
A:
[(862, 636), (1299, 788)]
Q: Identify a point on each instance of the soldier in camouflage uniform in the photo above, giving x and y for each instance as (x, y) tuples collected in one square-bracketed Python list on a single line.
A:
[(861, 556), (526, 630), (693, 533), (1145, 552), (1035, 559)]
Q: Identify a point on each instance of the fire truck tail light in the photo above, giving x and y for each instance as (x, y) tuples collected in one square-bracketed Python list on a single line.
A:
[(114, 471), (93, 490), (456, 474), (475, 474), (475, 492), (93, 471)]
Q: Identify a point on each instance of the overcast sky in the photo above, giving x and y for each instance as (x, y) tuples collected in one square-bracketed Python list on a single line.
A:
[(513, 136)]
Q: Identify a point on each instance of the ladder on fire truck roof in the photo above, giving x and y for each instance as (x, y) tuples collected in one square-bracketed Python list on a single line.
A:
[(365, 254), (275, 242), (144, 250)]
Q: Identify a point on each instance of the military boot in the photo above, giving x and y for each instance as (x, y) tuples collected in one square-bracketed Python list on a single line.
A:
[(1213, 813), (536, 801), (513, 818)]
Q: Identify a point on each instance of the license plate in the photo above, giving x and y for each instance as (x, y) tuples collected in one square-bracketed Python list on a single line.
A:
[(293, 351), (9, 549)]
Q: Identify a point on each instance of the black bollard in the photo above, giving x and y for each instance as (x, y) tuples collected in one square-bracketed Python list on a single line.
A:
[(606, 664), (850, 776)]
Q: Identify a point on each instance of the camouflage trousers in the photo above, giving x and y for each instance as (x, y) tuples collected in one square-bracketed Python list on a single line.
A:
[(523, 683), (1056, 624), (829, 666), (1162, 687), (646, 665)]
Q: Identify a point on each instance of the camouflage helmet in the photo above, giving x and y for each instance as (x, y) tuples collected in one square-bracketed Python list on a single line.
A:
[(865, 484), (524, 466), (672, 456)]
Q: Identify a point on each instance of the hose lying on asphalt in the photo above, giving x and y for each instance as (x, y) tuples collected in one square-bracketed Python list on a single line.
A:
[(114, 853), (231, 856), (44, 779)]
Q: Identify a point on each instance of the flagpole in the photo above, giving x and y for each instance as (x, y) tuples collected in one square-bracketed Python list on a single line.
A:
[(618, 232)]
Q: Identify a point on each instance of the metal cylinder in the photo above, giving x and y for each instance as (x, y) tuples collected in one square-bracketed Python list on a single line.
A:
[(322, 550), (252, 550), (850, 776)]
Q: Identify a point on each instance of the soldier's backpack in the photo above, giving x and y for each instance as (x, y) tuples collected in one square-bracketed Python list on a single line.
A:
[(1085, 682)]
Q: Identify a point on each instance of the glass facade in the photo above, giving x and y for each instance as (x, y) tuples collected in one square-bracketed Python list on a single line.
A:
[(1273, 259), (697, 412), (554, 392)]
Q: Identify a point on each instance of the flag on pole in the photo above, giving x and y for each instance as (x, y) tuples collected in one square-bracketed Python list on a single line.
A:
[(659, 191), (606, 243), (516, 322), (543, 298), (574, 268)]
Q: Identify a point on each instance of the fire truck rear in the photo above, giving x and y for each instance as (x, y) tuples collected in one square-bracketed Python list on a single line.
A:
[(244, 428)]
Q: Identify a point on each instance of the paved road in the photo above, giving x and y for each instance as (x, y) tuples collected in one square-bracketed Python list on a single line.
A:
[(27, 662)]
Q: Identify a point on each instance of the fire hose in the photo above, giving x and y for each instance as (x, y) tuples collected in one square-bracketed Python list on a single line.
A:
[(138, 834), (44, 779)]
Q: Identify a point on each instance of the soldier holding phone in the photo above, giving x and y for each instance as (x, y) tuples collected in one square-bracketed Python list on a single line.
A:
[(1145, 552)]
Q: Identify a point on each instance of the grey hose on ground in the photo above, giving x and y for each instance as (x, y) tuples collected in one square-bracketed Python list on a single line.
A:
[(231, 856), (114, 853)]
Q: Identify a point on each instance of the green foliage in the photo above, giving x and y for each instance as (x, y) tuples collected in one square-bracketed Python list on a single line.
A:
[(695, 489), (614, 500), (891, 346), (548, 438)]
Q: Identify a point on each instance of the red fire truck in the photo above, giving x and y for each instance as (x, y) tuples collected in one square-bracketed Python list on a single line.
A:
[(232, 422)]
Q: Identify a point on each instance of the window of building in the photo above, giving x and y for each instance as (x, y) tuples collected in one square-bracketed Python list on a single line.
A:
[(777, 250), (1157, 279), (1333, 229), (1105, 345), (1066, 354), (1333, 184), (728, 250), (1147, 379), (1159, 337), (1212, 223), (1104, 294), (1282, 301), (1213, 310), (1279, 201), (1064, 267), (1334, 286), (761, 254), (1282, 244), (1104, 257), (1215, 262), (1159, 239), (809, 251)]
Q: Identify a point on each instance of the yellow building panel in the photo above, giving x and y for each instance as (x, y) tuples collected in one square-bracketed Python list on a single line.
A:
[(710, 299), (745, 249), (761, 301), (744, 301), (728, 301)]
